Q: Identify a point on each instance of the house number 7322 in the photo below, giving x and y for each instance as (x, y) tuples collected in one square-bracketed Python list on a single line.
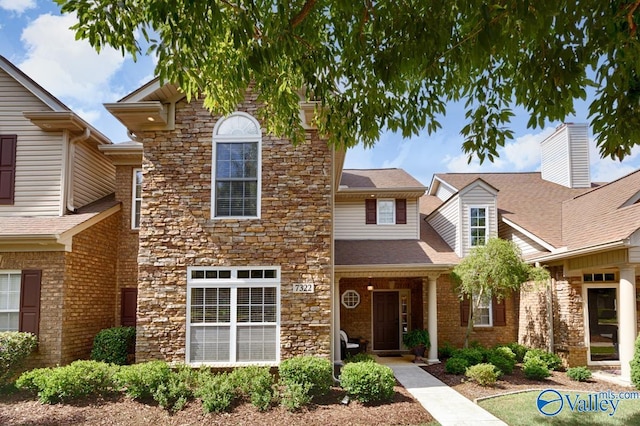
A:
[(303, 288)]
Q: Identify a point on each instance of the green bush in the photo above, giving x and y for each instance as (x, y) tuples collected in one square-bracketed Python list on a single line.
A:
[(635, 365), (308, 369), (456, 366), (446, 351), (216, 392), (505, 351), (140, 381), (535, 369), (359, 357), (502, 361), (113, 344), (294, 396), (483, 374), (519, 350), (78, 379), (15, 347), (472, 355), (175, 391), (368, 382), (579, 374), (255, 384), (552, 361)]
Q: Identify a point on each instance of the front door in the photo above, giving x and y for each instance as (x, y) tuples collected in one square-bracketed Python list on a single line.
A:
[(603, 324), (386, 321)]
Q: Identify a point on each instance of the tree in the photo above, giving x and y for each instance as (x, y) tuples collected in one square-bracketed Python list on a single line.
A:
[(375, 65), (493, 270)]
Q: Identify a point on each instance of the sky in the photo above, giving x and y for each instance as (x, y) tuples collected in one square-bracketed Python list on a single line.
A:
[(36, 38)]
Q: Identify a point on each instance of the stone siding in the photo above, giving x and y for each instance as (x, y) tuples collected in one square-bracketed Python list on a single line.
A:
[(534, 328), (294, 231)]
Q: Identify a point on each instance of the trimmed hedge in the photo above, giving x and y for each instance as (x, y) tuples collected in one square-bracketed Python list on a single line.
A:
[(15, 348), (113, 344), (315, 371), (368, 382), (635, 365)]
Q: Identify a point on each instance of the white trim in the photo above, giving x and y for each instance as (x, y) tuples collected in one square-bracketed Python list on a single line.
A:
[(347, 294), (532, 236), (486, 223), (8, 273), (585, 315), (236, 139), (472, 304), (134, 182)]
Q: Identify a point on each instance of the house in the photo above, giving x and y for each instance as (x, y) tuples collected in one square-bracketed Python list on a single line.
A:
[(57, 252)]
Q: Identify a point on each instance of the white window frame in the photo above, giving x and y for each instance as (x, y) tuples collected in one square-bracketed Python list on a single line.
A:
[(393, 211), (241, 138), (350, 299), (232, 281), (486, 225), (135, 208), (488, 306), (4, 309)]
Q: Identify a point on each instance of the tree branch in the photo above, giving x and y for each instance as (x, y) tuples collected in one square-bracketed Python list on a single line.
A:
[(632, 25), (306, 9)]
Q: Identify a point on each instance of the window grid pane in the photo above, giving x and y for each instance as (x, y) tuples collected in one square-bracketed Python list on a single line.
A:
[(482, 315), (386, 212), (478, 226)]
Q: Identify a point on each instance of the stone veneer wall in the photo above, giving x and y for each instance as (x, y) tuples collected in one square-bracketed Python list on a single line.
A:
[(52, 265), (90, 288), (127, 268), (568, 321), (450, 330), (534, 330), (293, 232)]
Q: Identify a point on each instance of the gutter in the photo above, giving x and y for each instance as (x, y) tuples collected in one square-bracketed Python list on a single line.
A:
[(70, 167)]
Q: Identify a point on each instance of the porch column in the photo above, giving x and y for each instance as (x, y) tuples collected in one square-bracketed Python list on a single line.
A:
[(627, 325), (433, 319), (335, 327)]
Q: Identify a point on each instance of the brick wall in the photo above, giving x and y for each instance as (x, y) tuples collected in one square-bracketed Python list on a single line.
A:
[(90, 285), (294, 232), (450, 330)]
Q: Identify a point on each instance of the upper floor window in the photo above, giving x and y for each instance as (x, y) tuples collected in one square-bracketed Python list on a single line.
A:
[(237, 164), (478, 226), (7, 168), (136, 198), (386, 211)]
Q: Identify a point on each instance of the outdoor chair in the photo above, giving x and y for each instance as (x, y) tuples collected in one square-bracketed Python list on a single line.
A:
[(351, 346)]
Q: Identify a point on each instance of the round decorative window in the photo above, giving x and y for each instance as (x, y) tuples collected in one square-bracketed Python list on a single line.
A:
[(350, 299)]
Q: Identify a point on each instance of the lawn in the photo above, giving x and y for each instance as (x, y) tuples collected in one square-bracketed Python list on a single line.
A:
[(521, 409)]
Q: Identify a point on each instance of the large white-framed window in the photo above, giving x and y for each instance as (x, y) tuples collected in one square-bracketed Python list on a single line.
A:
[(478, 226), (233, 315), (386, 212), (9, 300), (483, 312), (237, 164), (136, 198)]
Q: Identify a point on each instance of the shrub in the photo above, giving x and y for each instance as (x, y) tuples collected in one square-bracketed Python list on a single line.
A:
[(506, 352), (579, 374), (519, 350), (501, 361), (308, 369), (456, 365), (446, 351), (113, 344), (216, 392), (552, 361), (368, 382), (483, 374), (473, 356), (175, 391), (254, 383), (15, 347), (295, 395), (78, 379), (635, 365), (360, 357), (535, 369), (141, 380)]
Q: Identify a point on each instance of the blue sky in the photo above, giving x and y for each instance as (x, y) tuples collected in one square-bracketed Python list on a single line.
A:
[(35, 37)]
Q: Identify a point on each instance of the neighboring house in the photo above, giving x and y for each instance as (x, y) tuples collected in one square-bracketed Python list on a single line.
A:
[(57, 212)]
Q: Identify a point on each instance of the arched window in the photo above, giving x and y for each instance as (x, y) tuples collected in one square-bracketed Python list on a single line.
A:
[(236, 167)]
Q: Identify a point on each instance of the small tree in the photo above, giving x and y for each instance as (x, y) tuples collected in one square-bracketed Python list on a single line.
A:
[(495, 269)]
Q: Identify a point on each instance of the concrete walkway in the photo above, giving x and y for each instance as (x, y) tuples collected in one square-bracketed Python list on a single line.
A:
[(446, 405)]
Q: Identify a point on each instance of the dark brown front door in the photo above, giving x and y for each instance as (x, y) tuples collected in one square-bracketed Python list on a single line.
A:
[(386, 321), (129, 305)]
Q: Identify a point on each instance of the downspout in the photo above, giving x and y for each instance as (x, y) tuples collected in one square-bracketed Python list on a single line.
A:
[(70, 167)]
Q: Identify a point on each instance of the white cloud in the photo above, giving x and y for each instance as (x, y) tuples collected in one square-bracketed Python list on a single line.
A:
[(523, 154), (65, 66), (18, 6)]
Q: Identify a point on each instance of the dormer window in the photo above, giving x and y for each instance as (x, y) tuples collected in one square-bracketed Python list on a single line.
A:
[(478, 226), (385, 211)]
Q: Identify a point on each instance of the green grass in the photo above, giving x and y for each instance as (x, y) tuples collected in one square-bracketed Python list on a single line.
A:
[(521, 409)]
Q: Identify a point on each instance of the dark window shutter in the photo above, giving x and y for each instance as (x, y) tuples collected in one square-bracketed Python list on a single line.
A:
[(30, 301), (129, 305), (499, 312), (465, 307), (7, 168), (371, 212), (401, 211)]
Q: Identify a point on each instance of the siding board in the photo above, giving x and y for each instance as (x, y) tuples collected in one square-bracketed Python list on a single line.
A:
[(350, 223)]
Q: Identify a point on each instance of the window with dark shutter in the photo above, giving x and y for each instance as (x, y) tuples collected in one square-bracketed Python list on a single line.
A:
[(371, 213), (499, 312), (401, 211), (30, 301), (7, 168)]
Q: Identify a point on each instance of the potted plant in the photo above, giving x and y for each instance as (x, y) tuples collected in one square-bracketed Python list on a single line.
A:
[(417, 340)]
